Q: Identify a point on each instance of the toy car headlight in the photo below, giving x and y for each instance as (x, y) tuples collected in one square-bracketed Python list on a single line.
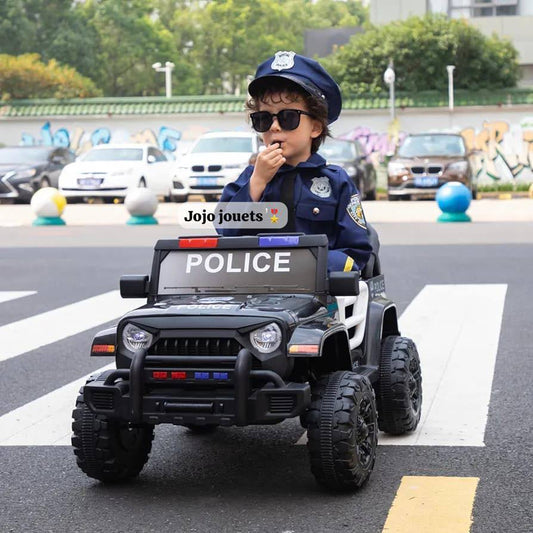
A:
[(135, 338), (266, 339)]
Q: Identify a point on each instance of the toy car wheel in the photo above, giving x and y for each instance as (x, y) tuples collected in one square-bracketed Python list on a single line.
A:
[(106, 449), (342, 430), (399, 392), (204, 429)]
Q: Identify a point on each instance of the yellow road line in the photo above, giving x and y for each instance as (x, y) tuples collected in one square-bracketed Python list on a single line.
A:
[(432, 505)]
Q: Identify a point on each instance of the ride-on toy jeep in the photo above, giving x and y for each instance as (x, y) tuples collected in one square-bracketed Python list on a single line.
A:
[(251, 330)]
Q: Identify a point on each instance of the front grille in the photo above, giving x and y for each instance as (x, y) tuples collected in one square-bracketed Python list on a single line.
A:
[(198, 168), (417, 170), (434, 170), (281, 404), (195, 346), (214, 168), (102, 400)]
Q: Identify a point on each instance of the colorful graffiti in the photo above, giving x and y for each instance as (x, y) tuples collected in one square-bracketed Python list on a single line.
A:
[(79, 141), (377, 145), (502, 152)]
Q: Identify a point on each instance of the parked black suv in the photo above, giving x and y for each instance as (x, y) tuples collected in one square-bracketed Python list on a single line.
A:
[(251, 330), (24, 169), (351, 156)]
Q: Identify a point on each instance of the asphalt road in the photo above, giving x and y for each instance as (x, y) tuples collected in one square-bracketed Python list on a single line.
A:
[(256, 479)]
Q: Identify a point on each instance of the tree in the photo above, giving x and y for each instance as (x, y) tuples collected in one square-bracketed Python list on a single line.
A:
[(421, 48), (26, 76)]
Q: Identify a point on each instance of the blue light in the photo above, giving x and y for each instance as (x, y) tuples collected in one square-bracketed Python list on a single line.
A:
[(201, 375), (220, 375), (279, 240)]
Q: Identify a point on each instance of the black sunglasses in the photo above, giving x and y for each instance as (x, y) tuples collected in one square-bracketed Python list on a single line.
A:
[(288, 119)]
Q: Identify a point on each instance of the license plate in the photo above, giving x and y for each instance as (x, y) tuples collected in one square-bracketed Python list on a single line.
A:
[(426, 181), (205, 180), (90, 182)]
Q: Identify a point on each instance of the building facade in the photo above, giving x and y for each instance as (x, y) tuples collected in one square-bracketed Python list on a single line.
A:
[(511, 19)]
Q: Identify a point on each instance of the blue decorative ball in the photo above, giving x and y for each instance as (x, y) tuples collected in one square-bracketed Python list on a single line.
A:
[(454, 197)]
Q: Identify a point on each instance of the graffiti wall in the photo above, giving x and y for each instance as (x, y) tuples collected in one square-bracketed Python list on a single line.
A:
[(500, 151), (80, 140)]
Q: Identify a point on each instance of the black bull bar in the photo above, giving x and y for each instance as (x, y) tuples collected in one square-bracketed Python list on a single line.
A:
[(125, 393)]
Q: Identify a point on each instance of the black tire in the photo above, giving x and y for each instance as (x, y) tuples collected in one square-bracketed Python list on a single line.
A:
[(211, 197), (142, 183), (45, 182), (342, 430), (399, 391), (106, 449), (371, 195), (179, 199), (204, 429)]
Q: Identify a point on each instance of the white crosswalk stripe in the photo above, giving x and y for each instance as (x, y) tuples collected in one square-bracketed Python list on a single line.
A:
[(6, 296), (39, 330), (456, 329)]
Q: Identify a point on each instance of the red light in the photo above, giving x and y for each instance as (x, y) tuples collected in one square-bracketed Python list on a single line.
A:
[(208, 242), (158, 374), (178, 375)]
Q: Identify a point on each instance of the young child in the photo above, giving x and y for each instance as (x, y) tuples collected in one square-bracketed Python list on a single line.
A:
[(293, 100)]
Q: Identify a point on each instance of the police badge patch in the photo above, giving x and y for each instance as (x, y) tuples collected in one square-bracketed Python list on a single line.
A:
[(355, 210), (321, 187), (283, 60)]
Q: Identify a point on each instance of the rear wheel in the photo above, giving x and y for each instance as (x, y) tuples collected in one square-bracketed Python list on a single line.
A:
[(342, 430), (211, 197), (399, 392), (109, 450), (142, 183)]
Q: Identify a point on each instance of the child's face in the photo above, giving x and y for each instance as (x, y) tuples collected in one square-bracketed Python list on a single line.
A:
[(295, 144)]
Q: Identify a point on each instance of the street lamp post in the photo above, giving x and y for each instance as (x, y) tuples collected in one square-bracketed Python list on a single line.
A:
[(389, 77), (167, 69), (450, 69)]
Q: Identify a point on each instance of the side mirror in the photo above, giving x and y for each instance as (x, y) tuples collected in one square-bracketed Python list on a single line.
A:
[(344, 283), (134, 286)]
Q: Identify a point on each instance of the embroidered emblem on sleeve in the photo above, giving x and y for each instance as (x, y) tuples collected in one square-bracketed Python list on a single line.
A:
[(321, 187), (355, 210)]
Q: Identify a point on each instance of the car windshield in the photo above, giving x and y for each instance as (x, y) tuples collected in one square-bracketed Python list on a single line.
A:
[(338, 150), (114, 154), (223, 144), (426, 145), (23, 155)]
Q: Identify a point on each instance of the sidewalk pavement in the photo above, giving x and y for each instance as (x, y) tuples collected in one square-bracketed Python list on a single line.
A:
[(485, 210)]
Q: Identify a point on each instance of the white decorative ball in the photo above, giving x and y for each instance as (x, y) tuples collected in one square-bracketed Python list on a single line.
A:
[(48, 202), (141, 202)]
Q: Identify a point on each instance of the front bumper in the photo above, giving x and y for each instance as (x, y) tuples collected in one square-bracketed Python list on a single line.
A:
[(408, 188), (94, 193), (246, 397)]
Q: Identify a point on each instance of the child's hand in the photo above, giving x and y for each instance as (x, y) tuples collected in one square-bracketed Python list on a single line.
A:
[(267, 164)]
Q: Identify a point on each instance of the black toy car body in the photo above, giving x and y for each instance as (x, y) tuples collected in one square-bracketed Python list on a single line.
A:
[(251, 330)]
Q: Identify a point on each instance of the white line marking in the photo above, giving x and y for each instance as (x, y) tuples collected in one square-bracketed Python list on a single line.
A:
[(39, 330), (5, 296), (44, 422), (456, 329)]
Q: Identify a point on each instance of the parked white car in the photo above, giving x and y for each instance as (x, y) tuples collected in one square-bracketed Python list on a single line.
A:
[(109, 171), (214, 160)]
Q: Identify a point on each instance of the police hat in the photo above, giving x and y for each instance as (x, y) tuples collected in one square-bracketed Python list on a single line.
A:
[(306, 73)]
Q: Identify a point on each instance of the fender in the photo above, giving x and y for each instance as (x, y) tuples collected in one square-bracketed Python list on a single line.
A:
[(106, 337), (323, 338), (382, 321)]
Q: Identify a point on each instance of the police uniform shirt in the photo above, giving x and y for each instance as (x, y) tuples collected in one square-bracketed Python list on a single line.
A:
[(326, 201)]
